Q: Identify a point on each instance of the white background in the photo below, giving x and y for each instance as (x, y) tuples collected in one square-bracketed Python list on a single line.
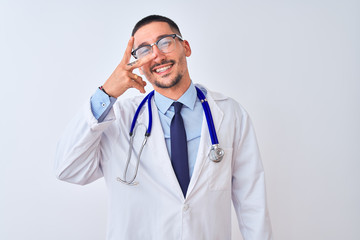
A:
[(294, 65)]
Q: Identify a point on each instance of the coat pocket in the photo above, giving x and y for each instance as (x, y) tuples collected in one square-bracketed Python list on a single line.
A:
[(220, 172)]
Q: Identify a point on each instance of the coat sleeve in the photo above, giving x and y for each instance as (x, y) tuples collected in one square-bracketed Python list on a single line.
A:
[(78, 154), (248, 183)]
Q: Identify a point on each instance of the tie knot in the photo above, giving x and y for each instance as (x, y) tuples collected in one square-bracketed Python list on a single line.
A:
[(177, 106)]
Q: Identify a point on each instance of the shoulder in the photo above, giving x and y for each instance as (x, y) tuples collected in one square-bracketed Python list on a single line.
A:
[(224, 102)]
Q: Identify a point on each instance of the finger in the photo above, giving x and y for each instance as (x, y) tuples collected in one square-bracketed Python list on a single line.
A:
[(136, 84), (140, 62), (137, 79), (127, 54), (132, 63)]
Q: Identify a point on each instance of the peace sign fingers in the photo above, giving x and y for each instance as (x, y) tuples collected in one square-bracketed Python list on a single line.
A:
[(123, 77)]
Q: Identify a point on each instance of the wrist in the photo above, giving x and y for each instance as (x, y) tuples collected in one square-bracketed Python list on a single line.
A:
[(102, 89)]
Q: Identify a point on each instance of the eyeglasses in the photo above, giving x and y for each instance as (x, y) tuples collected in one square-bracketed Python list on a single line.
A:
[(165, 44)]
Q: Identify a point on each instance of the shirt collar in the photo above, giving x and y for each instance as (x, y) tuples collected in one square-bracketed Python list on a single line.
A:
[(188, 99)]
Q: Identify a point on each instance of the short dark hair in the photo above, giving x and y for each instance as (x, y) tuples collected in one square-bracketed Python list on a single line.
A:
[(156, 18)]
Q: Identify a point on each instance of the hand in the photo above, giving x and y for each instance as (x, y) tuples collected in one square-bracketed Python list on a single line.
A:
[(123, 78)]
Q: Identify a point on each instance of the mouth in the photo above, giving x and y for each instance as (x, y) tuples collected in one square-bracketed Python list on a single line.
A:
[(164, 68)]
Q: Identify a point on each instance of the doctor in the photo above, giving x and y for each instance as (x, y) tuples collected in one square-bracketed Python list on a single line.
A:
[(179, 193)]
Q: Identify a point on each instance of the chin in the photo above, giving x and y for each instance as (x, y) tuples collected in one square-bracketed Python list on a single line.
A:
[(172, 83)]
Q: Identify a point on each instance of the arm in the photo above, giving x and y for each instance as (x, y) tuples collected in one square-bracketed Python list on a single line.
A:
[(248, 185), (79, 154)]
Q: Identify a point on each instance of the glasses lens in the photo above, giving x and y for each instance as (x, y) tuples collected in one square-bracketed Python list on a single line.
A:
[(143, 51), (166, 44)]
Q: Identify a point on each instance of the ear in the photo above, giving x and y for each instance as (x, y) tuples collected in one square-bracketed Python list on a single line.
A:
[(187, 48)]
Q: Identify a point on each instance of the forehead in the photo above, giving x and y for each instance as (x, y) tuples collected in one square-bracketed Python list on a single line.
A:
[(150, 32)]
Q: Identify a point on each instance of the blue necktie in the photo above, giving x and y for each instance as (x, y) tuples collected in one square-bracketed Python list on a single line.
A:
[(179, 153)]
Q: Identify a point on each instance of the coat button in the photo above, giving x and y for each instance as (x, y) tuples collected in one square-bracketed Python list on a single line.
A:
[(186, 207)]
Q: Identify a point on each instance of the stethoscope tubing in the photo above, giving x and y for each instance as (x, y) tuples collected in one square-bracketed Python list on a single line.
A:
[(150, 113), (208, 116), (148, 99)]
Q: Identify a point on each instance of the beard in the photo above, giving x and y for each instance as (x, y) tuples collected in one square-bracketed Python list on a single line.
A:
[(173, 81)]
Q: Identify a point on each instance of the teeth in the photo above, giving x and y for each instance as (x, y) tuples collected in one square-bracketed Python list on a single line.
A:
[(159, 70)]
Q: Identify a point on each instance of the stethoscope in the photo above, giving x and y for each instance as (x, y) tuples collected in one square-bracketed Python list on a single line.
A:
[(216, 153)]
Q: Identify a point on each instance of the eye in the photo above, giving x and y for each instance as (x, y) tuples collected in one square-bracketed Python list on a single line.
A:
[(143, 51), (165, 43)]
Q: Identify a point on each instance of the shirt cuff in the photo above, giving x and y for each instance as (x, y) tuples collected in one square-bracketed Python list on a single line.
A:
[(101, 104)]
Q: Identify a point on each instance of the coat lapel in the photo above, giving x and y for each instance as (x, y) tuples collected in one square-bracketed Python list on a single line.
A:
[(205, 140)]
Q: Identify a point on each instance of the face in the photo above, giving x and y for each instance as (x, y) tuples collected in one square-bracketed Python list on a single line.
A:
[(166, 70)]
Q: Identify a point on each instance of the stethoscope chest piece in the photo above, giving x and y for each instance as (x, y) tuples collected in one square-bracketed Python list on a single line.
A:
[(216, 153)]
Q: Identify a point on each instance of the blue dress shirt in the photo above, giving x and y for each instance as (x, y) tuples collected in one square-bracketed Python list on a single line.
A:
[(191, 112)]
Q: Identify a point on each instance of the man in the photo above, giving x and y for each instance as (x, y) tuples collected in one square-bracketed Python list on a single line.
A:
[(178, 192)]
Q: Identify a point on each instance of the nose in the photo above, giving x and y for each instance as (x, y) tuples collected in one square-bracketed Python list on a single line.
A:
[(159, 54)]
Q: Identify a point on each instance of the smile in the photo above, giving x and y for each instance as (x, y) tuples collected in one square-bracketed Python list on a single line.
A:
[(163, 69)]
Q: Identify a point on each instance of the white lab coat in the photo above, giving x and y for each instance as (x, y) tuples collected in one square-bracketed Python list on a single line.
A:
[(155, 208)]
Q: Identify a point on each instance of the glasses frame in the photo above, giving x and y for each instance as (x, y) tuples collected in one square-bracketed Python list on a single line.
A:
[(156, 43)]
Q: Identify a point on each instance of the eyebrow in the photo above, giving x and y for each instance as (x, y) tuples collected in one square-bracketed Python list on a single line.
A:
[(157, 39)]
